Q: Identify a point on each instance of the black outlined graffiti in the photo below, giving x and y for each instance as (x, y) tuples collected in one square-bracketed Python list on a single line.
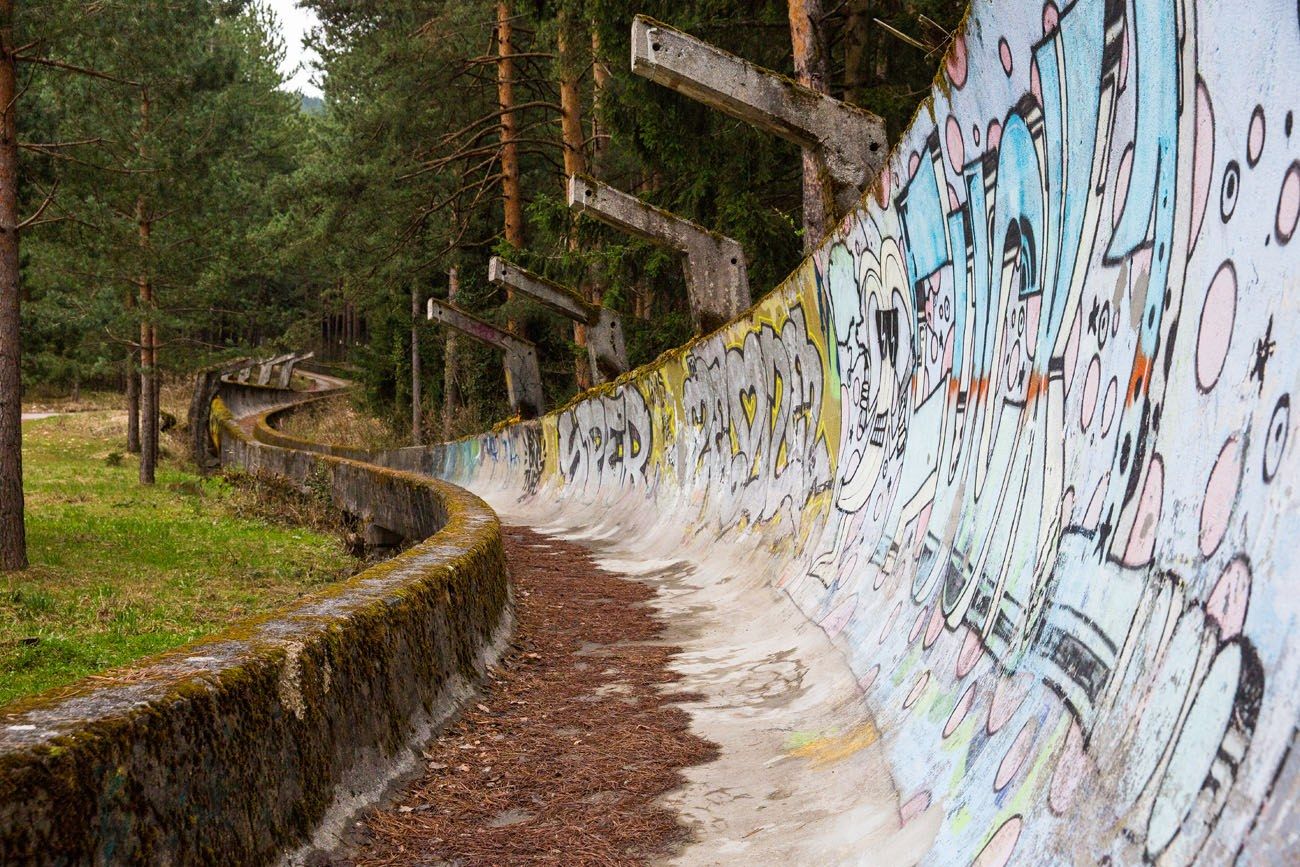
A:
[(1026, 419), (751, 425)]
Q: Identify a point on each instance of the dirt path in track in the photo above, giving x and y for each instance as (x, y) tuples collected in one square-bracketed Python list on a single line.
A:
[(563, 758)]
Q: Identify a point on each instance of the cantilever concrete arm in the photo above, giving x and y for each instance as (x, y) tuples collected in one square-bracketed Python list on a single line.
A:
[(606, 349), (523, 375), (286, 369), (849, 140), (484, 332), (717, 277), (264, 372), (548, 293)]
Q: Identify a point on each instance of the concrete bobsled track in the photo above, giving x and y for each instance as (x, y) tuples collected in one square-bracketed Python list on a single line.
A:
[(981, 526)]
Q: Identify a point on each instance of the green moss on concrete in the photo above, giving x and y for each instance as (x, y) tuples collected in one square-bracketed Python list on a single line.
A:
[(230, 750), (122, 571)]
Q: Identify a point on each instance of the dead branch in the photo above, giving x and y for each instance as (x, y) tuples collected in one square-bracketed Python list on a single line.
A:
[(34, 218)]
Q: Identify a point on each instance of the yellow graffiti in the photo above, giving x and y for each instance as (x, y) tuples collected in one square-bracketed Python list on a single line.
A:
[(823, 750)]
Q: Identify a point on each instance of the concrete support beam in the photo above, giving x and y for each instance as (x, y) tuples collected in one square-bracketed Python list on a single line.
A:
[(286, 369), (849, 141), (606, 349), (523, 376), (717, 276), (468, 324), (547, 293), (264, 372), (206, 385)]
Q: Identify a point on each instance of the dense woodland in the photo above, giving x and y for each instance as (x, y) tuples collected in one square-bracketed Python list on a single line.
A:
[(166, 205)]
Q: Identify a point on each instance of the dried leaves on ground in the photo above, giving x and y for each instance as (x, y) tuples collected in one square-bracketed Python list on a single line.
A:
[(562, 760)]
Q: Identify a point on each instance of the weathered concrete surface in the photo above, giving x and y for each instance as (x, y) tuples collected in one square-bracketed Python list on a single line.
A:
[(266, 368), (207, 382), (717, 275), (286, 369), (849, 141), (802, 778), (243, 747), (548, 293), (606, 348), (523, 376), (243, 399), (1018, 441)]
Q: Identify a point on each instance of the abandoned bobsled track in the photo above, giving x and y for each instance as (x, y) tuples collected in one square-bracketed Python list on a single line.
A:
[(973, 537), (1017, 439)]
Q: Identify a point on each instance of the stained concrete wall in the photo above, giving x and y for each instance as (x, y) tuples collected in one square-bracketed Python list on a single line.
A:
[(1019, 438), (248, 745)]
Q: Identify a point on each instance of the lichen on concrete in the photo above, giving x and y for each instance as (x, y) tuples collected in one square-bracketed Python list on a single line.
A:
[(241, 747)]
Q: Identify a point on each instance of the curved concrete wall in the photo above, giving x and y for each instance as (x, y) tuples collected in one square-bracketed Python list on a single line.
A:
[(245, 399), (244, 746), (1019, 437)]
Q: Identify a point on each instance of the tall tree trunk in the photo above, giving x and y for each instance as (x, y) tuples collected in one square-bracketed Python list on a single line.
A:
[(857, 52), (148, 331), (575, 158), (417, 404), (132, 402), (575, 161), (148, 390), (600, 77), (510, 189), (599, 81), (155, 417), (13, 535), (132, 391), (452, 399), (810, 66), (867, 49)]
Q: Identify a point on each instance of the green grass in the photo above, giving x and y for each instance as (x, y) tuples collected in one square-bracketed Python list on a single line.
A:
[(121, 571)]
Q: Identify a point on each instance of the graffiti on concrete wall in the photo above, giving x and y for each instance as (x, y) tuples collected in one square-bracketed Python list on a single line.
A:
[(603, 438), (750, 424), (1026, 419)]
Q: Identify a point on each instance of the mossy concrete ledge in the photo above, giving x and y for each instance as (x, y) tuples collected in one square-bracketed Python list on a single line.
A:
[(251, 745), (244, 399), (265, 429)]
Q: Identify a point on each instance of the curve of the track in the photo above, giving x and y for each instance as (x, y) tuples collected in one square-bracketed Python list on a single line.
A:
[(979, 529)]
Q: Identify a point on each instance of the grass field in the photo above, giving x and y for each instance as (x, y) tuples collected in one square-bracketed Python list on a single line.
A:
[(120, 571)]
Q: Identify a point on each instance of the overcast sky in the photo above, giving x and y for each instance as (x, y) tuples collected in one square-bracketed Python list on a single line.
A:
[(294, 24)]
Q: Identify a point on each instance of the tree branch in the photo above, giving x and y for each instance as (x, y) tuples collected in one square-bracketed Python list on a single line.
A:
[(54, 145), (80, 70), (32, 220)]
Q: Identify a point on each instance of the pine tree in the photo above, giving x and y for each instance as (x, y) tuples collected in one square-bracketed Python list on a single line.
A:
[(13, 539)]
